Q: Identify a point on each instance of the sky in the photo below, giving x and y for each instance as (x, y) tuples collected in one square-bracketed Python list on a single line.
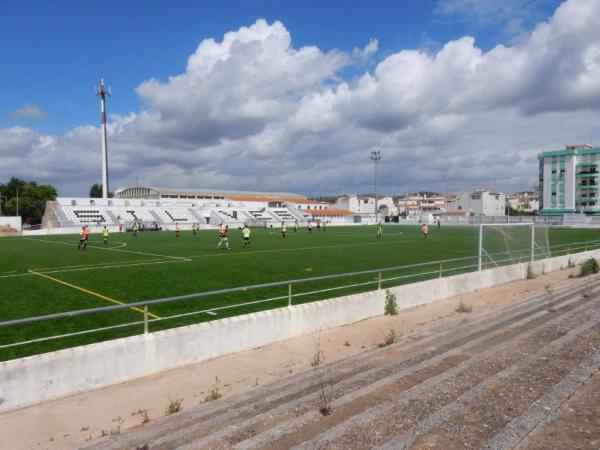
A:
[(293, 96)]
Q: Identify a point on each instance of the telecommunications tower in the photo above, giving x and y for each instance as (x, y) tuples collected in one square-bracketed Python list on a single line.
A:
[(101, 93)]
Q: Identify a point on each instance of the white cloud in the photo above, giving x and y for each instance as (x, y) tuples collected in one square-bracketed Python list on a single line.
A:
[(253, 112), (28, 111)]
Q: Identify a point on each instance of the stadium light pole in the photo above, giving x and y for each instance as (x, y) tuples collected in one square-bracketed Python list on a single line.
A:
[(375, 157), (101, 93)]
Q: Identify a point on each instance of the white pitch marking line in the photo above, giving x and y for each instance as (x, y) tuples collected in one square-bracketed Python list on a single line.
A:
[(114, 249), (108, 266)]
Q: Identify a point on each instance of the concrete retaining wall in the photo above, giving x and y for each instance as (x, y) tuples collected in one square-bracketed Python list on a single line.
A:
[(11, 221), (41, 378)]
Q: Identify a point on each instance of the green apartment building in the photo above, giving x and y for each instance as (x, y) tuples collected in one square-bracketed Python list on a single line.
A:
[(570, 180)]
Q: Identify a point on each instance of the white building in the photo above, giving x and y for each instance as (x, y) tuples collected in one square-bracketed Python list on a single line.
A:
[(479, 203), (420, 203), (366, 205), (524, 201), (569, 180)]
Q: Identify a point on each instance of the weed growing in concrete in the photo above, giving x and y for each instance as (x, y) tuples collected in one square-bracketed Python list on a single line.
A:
[(143, 413), (214, 393), (118, 423), (391, 337), (463, 307), (391, 306), (174, 406), (324, 379), (589, 267)]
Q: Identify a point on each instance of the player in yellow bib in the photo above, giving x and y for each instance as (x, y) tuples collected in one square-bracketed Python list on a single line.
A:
[(105, 234), (246, 235)]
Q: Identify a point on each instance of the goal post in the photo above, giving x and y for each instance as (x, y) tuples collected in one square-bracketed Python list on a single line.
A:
[(511, 243)]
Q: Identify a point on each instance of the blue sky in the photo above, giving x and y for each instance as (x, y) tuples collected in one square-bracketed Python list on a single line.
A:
[(55, 51), (292, 96)]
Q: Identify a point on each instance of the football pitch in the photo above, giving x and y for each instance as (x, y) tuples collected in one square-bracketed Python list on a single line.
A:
[(42, 275)]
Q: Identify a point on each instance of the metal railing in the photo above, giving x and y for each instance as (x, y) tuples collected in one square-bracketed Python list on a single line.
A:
[(435, 269)]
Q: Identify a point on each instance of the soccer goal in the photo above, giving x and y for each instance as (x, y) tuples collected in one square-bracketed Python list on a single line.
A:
[(511, 243)]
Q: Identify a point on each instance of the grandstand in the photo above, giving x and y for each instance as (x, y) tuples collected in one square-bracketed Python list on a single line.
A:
[(164, 207)]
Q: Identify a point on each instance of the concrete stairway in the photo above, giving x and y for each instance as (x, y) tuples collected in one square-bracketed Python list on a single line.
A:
[(486, 379)]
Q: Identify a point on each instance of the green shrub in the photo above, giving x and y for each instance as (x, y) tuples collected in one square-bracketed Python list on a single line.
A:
[(589, 267), (391, 307)]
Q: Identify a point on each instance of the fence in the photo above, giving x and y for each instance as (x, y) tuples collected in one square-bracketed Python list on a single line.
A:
[(364, 280)]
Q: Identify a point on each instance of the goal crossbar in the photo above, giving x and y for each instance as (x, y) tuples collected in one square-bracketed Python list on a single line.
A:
[(499, 227)]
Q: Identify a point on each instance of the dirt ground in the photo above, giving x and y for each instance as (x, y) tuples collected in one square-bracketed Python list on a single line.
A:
[(72, 421)]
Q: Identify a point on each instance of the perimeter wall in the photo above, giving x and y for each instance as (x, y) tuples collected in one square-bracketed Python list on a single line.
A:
[(41, 378)]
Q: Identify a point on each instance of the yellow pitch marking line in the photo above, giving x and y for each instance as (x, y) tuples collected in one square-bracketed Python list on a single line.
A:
[(87, 291)]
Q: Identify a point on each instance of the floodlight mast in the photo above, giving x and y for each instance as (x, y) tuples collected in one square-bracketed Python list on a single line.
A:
[(101, 93), (375, 157)]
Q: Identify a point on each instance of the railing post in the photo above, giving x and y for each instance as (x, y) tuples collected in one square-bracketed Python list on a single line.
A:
[(289, 294), (379, 281), (480, 247), (568, 249), (145, 319), (441, 270)]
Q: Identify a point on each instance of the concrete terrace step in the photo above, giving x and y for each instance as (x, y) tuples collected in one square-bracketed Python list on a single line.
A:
[(209, 414), (379, 400), (367, 385)]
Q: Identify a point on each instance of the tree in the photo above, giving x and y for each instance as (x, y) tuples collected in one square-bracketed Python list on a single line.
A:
[(96, 191), (32, 197)]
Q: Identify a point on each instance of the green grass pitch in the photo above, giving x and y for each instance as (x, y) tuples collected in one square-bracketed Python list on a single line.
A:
[(47, 274)]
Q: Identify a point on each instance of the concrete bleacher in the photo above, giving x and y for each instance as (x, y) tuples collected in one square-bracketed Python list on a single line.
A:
[(72, 212), (283, 214), (84, 216), (259, 214)]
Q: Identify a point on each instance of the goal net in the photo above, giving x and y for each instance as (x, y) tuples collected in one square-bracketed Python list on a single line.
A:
[(502, 244)]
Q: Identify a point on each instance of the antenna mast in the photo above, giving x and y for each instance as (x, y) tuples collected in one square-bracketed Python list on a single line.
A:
[(101, 93)]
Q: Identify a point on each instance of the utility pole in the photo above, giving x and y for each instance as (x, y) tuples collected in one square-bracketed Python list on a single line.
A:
[(375, 157), (17, 200), (101, 93)]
